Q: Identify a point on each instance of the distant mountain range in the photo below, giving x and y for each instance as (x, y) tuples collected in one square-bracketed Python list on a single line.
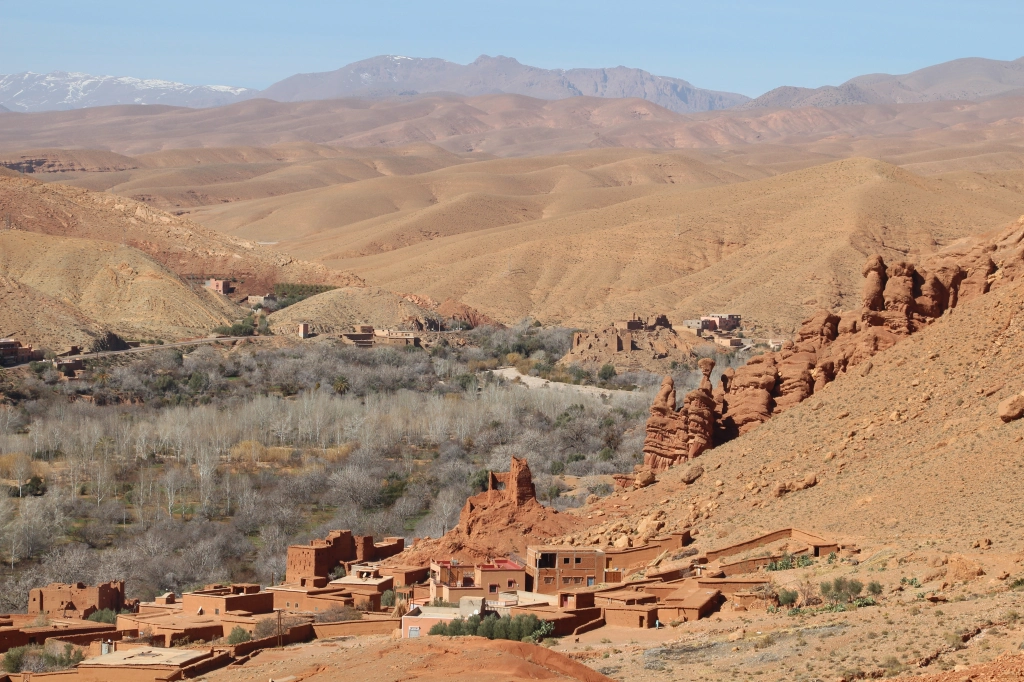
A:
[(966, 79), (391, 76), (61, 90)]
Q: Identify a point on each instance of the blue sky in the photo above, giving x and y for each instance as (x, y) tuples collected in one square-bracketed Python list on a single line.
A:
[(747, 47)]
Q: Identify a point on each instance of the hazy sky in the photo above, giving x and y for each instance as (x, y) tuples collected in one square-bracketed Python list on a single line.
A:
[(747, 47)]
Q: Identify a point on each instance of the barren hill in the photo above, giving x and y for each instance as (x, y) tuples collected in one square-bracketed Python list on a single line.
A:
[(586, 238), (389, 75), (180, 245), (336, 311), (961, 79), (516, 125), (59, 291)]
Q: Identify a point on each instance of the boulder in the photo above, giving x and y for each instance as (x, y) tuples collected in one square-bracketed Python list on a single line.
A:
[(644, 478), (650, 525), (1012, 408), (692, 473), (622, 542)]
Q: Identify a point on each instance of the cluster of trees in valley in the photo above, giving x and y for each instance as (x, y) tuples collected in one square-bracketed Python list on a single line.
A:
[(172, 469)]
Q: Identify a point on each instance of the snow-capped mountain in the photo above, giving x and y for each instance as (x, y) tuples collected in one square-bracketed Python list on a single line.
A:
[(60, 90)]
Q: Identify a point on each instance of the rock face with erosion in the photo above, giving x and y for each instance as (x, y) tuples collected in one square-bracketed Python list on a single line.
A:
[(684, 433), (897, 300), (503, 519)]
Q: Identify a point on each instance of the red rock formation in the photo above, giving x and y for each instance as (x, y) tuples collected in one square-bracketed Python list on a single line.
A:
[(896, 301), (874, 284), (501, 520), (684, 433)]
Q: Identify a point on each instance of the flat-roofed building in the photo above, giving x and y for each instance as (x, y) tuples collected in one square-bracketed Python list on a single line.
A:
[(550, 569)]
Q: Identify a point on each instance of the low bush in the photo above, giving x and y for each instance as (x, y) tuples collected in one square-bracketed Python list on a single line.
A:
[(841, 590), (336, 614), (103, 616), (238, 635), (522, 628), (34, 658), (787, 597)]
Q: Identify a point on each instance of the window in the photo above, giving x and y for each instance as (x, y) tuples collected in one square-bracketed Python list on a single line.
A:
[(565, 560), (493, 589), (546, 560), (590, 581), (577, 581), (287, 603), (511, 584), (548, 580), (565, 581), (579, 560), (216, 612)]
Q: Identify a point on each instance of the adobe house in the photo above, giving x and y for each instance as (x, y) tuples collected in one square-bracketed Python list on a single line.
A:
[(18, 629), (362, 336), (391, 337), (418, 621), (221, 286), (816, 545), (340, 548), (629, 558), (311, 595), (206, 614), (450, 580), (241, 599), (13, 353), (78, 600), (406, 576), (553, 568)]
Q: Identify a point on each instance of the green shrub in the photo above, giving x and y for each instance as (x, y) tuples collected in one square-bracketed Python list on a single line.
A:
[(103, 616), (874, 588), (606, 373), (238, 635), (841, 590), (336, 614), (15, 658), (787, 597), (521, 628), (388, 598), (35, 658)]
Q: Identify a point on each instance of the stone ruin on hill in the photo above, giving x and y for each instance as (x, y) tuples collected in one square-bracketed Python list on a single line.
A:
[(896, 301), (630, 344)]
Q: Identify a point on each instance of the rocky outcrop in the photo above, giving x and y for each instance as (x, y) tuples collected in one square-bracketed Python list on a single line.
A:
[(674, 434), (896, 301), (503, 519), (1012, 408)]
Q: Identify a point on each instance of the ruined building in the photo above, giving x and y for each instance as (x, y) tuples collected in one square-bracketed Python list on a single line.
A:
[(340, 548), (78, 600), (630, 344)]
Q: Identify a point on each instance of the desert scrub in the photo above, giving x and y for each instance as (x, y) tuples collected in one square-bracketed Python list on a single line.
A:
[(238, 635)]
